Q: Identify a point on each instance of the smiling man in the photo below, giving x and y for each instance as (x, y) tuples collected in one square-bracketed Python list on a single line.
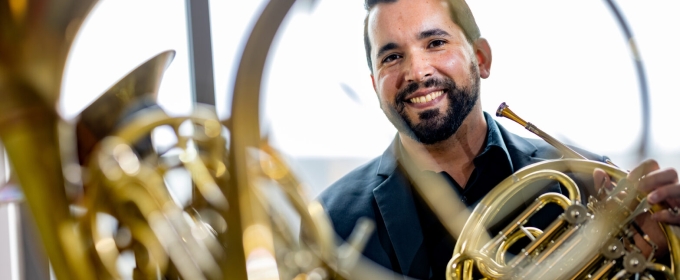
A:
[(426, 59), (426, 73)]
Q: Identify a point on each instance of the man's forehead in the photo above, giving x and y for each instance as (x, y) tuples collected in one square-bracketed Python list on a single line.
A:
[(418, 15)]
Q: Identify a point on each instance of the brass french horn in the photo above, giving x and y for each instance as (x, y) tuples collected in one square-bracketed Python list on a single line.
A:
[(592, 241)]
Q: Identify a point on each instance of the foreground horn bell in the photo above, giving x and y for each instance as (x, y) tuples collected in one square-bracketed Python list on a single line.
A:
[(126, 184), (136, 91), (35, 38)]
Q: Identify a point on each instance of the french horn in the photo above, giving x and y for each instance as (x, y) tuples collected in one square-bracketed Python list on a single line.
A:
[(591, 241)]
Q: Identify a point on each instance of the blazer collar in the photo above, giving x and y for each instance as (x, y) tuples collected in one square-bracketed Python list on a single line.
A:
[(389, 159), (521, 151), (397, 207)]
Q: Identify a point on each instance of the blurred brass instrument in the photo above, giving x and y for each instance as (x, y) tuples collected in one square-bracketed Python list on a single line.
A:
[(127, 204), (129, 218), (129, 186), (35, 38), (592, 241)]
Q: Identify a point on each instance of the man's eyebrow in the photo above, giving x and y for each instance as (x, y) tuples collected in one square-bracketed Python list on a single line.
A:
[(387, 47), (432, 32)]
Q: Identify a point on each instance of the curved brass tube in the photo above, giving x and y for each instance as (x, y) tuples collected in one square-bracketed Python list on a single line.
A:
[(673, 239), (35, 39), (512, 239), (611, 218), (469, 243), (245, 131)]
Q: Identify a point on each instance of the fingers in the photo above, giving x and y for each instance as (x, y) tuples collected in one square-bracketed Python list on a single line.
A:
[(667, 216), (644, 168), (658, 178), (602, 182), (601, 179), (664, 193)]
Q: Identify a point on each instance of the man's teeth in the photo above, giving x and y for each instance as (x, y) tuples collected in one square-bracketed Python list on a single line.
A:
[(426, 98)]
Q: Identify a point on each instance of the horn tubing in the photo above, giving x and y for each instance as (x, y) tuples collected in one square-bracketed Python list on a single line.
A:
[(504, 111), (668, 230), (32, 147), (245, 131)]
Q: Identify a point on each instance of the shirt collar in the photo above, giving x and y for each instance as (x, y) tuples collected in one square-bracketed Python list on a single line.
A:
[(494, 140)]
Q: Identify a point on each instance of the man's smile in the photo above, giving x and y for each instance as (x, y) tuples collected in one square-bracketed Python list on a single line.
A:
[(425, 100)]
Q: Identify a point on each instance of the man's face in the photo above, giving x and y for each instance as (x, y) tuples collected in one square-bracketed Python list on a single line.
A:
[(424, 69)]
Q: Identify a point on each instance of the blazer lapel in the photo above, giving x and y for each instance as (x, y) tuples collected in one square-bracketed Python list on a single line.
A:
[(520, 150), (395, 202), (394, 199)]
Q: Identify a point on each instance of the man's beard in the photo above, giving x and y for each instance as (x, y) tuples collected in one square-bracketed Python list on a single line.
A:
[(435, 126)]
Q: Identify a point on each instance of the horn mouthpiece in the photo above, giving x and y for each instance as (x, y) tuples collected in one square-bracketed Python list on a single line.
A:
[(501, 108), (504, 111)]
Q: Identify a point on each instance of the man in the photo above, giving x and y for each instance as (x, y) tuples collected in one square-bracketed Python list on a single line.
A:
[(426, 59)]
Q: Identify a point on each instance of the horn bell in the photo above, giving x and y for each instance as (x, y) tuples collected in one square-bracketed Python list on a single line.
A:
[(137, 90)]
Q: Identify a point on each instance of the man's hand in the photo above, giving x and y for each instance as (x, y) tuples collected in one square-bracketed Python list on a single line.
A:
[(661, 187)]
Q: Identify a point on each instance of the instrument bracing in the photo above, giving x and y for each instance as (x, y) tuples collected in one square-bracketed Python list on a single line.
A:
[(591, 241)]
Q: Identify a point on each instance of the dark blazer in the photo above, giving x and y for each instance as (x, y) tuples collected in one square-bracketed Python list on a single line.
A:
[(381, 192)]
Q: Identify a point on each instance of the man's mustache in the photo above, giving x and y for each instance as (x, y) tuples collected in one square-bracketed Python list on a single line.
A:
[(413, 87)]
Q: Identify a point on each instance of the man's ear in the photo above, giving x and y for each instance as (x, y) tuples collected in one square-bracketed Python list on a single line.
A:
[(483, 53), (373, 82)]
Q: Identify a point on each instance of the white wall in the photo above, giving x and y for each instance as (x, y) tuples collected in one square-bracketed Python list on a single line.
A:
[(116, 37)]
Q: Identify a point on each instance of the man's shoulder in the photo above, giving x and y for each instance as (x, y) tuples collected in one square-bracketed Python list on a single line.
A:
[(358, 183), (351, 197)]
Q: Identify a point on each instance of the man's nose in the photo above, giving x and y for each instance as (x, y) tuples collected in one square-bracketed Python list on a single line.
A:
[(418, 69)]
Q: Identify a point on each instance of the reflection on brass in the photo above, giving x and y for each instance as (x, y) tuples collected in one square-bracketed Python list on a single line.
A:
[(572, 245)]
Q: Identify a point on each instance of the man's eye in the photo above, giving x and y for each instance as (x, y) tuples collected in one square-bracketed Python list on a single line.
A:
[(391, 58), (436, 43)]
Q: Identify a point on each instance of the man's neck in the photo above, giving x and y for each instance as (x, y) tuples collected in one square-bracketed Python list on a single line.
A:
[(454, 155)]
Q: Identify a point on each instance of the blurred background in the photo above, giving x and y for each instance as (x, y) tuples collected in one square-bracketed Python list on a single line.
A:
[(563, 65)]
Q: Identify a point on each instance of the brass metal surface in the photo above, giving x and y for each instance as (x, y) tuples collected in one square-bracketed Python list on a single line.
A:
[(35, 38), (227, 230), (571, 245), (136, 89)]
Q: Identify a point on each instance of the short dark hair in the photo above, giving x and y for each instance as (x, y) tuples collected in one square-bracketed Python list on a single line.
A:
[(458, 9)]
